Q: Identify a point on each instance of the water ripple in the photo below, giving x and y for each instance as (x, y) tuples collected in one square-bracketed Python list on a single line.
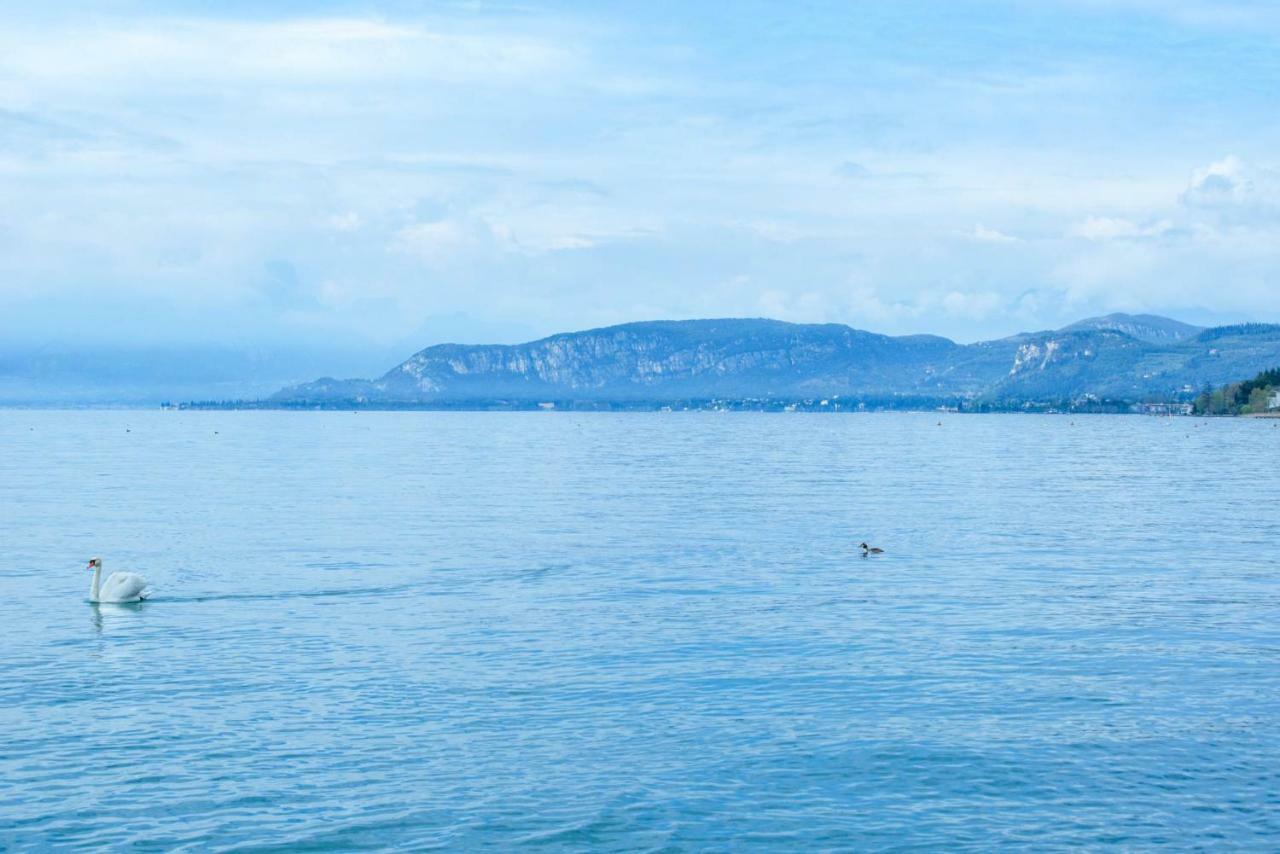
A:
[(472, 631)]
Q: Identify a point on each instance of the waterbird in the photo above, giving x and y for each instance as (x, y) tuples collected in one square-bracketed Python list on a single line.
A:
[(870, 550), (119, 586)]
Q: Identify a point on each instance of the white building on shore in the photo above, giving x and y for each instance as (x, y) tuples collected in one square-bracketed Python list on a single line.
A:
[(1166, 408)]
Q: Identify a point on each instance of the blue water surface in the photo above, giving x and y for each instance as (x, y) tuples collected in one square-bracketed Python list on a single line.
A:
[(639, 631)]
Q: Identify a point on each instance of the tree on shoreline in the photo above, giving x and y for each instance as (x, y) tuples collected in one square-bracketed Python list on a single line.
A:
[(1242, 398)]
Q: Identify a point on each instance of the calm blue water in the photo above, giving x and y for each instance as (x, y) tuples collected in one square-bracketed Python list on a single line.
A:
[(639, 631)]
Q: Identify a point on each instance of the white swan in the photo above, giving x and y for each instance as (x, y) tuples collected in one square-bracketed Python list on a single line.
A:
[(119, 586)]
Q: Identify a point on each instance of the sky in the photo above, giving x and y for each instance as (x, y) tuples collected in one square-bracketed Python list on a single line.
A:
[(389, 175)]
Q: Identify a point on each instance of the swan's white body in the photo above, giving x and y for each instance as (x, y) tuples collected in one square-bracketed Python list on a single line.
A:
[(119, 586)]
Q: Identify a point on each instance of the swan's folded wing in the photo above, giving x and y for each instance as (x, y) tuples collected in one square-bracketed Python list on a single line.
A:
[(123, 585)]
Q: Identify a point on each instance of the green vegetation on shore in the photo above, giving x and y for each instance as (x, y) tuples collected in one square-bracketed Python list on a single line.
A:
[(1242, 398)]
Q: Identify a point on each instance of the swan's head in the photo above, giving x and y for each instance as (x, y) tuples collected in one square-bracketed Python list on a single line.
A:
[(94, 563)]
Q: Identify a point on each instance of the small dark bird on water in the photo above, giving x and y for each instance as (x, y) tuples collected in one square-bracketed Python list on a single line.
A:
[(871, 550)]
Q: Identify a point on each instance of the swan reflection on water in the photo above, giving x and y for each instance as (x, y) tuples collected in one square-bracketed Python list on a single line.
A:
[(105, 612)]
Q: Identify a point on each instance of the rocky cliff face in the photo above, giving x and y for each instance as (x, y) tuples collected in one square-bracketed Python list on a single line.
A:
[(762, 358), (1110, 363), (638, 358)]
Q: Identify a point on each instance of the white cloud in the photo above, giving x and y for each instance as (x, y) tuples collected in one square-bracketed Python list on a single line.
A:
[(1216, 250), (1102, 228), (512, 230), (870, 307), (434, 241), (990, 235), (572, 241), (533, 226), (776, 232), (972, 305), (349, 221), (851, 169), (1234, 187), (1248, 15), (164, 52)]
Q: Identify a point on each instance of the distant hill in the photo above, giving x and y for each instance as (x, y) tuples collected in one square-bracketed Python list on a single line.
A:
[(1118, 356), (1145, 327)]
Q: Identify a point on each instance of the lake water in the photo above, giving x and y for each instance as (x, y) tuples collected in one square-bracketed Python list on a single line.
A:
[(640, 631)]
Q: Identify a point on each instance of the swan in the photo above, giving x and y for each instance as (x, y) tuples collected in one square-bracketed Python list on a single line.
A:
[(119, 586)]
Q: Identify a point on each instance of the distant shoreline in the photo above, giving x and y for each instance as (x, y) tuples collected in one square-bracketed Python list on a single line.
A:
[(834, 404), (780, 405)]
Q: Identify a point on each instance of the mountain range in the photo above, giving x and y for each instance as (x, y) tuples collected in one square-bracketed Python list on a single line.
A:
[(1119, 357)]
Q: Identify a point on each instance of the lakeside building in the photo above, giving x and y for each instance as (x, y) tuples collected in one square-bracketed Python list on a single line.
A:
[(1166, 408)]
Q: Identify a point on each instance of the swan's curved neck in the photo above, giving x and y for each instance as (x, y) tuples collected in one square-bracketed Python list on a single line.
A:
[(93, 588)]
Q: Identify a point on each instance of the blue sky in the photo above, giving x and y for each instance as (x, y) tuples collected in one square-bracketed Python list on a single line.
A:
[(393, 174)]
